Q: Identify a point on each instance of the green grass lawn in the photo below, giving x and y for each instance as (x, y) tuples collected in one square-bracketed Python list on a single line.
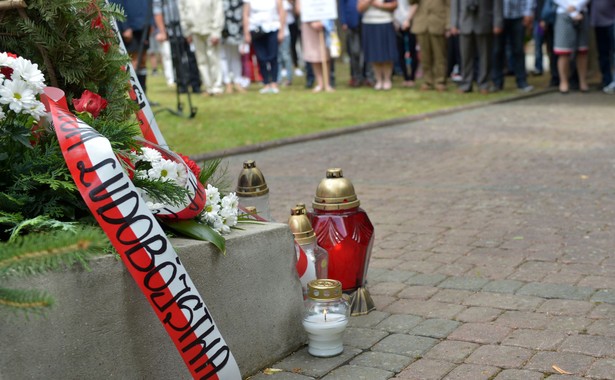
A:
[(233, 120)]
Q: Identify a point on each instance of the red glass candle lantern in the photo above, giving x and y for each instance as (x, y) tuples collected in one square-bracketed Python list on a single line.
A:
[(345, 231)]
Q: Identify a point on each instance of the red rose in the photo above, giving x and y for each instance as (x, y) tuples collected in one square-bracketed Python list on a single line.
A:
[(193, 166), (7, 71), (90, 102)]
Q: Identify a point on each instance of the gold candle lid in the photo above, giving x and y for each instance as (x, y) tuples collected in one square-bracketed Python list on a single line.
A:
[(251, 182), (324, 289), (335, 192), (300, 226)]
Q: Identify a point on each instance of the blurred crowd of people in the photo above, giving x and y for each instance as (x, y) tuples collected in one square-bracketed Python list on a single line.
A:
[(221, 46)]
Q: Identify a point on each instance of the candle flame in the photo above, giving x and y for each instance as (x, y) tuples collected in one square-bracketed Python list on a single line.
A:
[(325, 314)]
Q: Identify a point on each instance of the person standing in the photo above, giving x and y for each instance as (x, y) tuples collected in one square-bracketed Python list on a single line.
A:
[(178, 60), (202, 22), (406, 42), (378, 37), (518, 18), (571, 36), (430, 24), (263, 27), (350, 19), (602, 17), (538, 34), (476, 22), (232, 37), (135, 34)]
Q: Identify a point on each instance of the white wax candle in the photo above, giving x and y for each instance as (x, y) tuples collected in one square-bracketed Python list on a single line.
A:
[(325, 336)]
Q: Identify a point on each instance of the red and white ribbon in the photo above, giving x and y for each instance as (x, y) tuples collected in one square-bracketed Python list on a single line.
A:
[(145, 250)]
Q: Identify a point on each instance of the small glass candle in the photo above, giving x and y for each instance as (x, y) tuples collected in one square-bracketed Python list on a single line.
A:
[(326, 317), (252, 190)]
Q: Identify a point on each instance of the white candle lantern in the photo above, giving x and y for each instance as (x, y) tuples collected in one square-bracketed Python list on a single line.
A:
[(252, 190), (326, 317)]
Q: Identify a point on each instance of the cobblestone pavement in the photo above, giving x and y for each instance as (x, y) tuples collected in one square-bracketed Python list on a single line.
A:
[(495, 232)]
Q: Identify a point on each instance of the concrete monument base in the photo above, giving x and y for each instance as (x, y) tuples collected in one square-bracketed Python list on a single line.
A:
[(102, 327)]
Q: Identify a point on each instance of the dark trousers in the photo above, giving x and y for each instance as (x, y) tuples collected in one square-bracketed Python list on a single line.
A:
[(604, 45), (453, 56), (406, 46), (266, 50), (295, 35), (514, 32), (552, 57), (353, 46), (539, 39)]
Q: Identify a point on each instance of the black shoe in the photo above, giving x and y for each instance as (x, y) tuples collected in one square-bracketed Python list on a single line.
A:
[(196, 90)]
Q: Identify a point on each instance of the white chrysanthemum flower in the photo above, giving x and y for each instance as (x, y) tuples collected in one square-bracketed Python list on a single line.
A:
[(230, 221), (37, 110), (29, 73), (210, 212), (230, 201), (182, 175), (165, 170), (213, 195), (17, 94), (2, 114), (149, 155), (5, 60), (219, 226)]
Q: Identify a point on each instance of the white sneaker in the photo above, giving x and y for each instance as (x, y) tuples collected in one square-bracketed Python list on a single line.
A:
[(609, 89), (283, 73), (274, 90), (528, 88), (298, 72)]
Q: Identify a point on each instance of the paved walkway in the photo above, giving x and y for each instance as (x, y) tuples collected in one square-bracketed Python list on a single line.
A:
[(495, 233)]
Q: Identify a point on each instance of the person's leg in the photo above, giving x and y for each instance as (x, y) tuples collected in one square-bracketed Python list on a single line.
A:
[(200, 51), (467, 49), (167, 62), (426, 60), (378, 75), (353, 47), (402, 50), (604, 45), (272, 50), (485, 49), (224, 67), (581, 62), (438, 43), (317, 69), (284, 60), (260, 50), (552, 57), (538, 35), (518, 52), (213, 65), (387, 72), (499, 55), (563, 69), (294, 34), (414, 57)]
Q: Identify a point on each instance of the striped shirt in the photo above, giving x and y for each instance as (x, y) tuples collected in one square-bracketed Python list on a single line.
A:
[(518, 8)]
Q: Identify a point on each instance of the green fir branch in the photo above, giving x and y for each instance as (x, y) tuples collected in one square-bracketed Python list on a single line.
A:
[(40, 252), (24, 301), (162, 191)]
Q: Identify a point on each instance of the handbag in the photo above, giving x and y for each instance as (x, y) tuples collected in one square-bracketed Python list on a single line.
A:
[(335, 49)]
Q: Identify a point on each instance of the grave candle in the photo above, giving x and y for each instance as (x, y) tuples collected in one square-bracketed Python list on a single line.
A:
[(326, 317)]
